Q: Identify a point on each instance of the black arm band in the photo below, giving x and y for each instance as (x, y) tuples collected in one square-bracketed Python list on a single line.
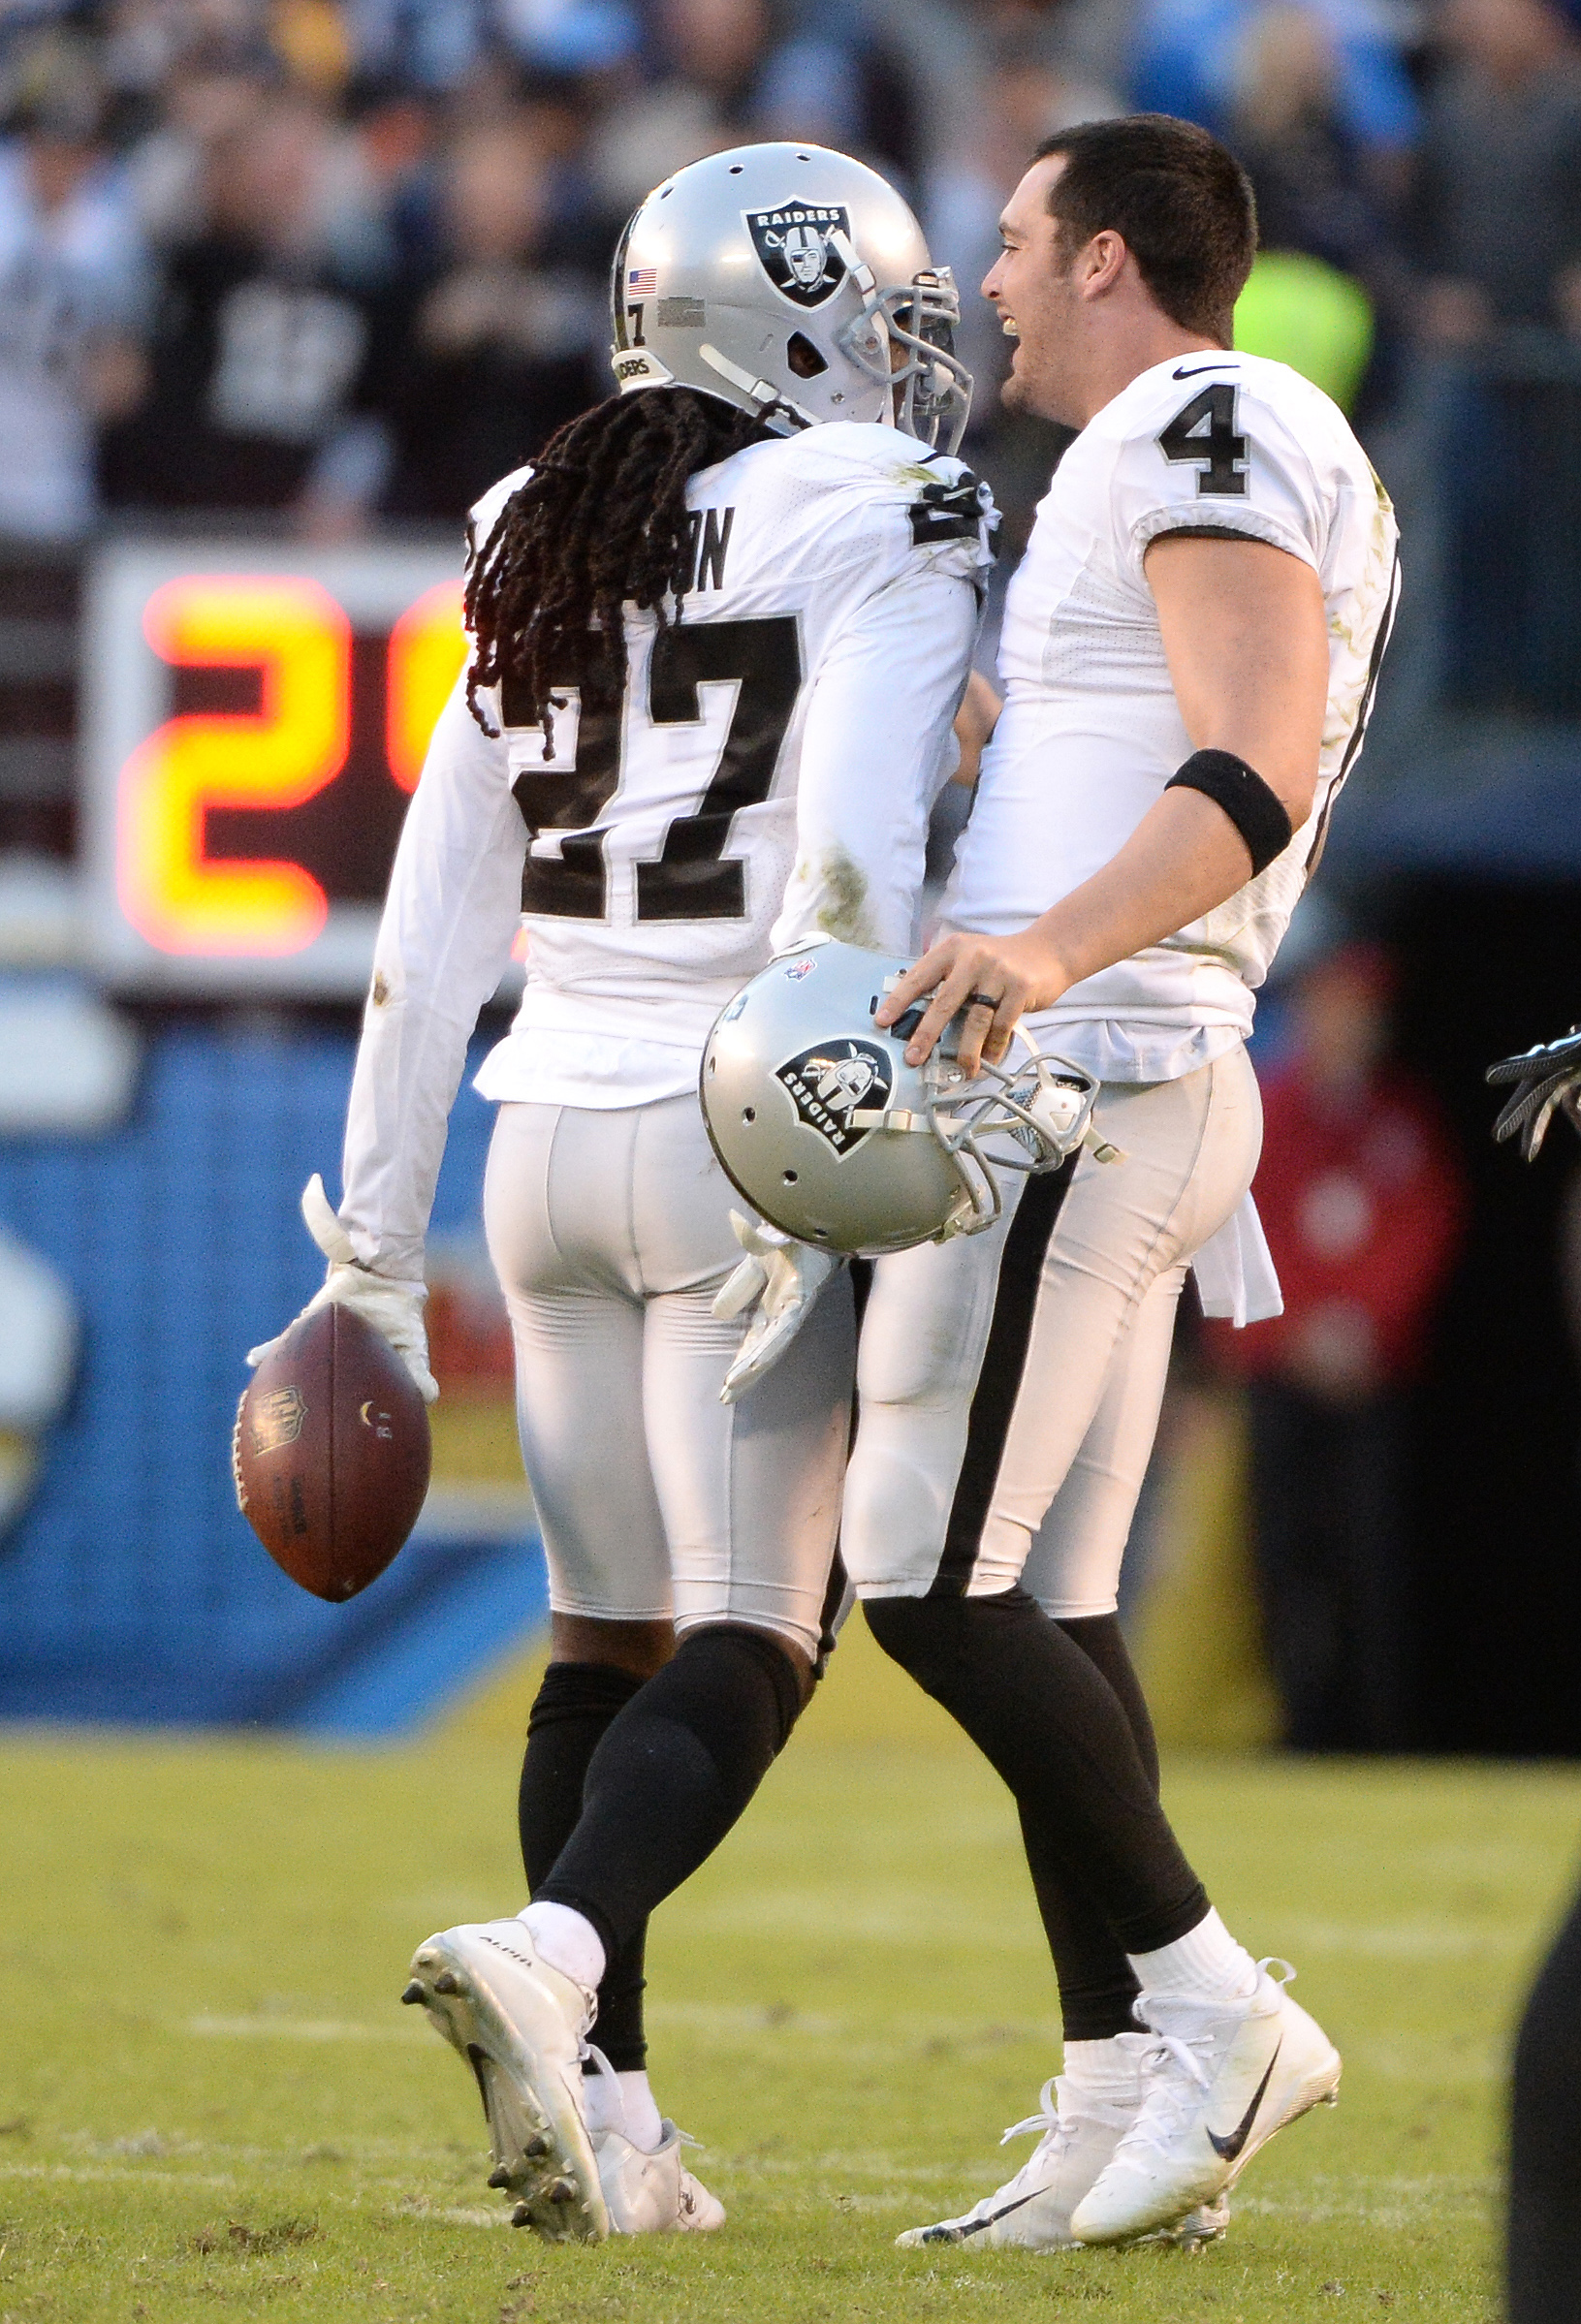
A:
[(1258, 813)]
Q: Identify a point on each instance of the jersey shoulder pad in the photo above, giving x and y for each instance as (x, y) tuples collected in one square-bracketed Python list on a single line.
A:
[(484, 514), (862, 465), (1235, 444), (1196, 401)]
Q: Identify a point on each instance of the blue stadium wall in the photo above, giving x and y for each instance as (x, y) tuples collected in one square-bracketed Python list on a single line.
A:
[(131, 1589)]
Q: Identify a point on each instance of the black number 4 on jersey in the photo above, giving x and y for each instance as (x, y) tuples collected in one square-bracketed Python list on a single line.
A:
[(1202, 435)]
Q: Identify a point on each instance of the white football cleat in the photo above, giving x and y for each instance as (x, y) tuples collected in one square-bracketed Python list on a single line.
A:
[(1219, 2080), (1031, 2211), (522, 2026), (652, 2193)]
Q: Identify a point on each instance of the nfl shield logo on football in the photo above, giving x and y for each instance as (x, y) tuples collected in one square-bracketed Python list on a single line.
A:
[(794, 249)]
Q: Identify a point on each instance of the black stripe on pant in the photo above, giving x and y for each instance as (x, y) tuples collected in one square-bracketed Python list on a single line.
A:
[(998, 1382)]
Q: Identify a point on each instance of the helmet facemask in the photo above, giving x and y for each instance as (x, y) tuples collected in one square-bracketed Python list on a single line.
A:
[(1028, 1119), (905, 336)]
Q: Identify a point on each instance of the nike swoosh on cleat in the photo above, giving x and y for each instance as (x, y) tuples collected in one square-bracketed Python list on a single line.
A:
[(1201, 369), (1227, 2149)]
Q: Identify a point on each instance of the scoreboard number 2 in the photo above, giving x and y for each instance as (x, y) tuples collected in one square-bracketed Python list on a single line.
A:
[(297, 638)]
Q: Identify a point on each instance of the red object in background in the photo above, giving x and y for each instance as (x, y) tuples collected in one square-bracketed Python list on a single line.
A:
[(1361, 1197), (469, 1336)]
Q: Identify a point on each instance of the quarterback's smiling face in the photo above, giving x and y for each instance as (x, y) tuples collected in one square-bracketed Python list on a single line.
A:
[(1032, 287)]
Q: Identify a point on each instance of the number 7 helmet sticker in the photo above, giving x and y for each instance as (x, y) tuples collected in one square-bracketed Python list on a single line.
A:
[(1202, 435)]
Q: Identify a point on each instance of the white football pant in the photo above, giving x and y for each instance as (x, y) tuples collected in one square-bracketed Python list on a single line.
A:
[(1010, 1382), (610, 1231)]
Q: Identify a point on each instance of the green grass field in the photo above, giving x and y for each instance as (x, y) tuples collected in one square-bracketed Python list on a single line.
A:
[(210, 2101)]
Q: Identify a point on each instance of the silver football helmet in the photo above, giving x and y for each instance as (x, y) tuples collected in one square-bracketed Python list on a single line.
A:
[(819, 1121), (794, 283)]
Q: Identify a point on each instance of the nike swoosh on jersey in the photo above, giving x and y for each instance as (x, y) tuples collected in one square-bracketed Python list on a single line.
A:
[(1223, 366), (1229, 2148), (959, 2235)]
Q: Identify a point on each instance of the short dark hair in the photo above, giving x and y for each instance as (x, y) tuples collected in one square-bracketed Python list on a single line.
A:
[(1179, 198)]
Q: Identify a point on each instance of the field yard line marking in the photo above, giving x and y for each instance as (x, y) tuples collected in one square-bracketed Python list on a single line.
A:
[(300, 2029), (1403, 1940), (102, 2171)]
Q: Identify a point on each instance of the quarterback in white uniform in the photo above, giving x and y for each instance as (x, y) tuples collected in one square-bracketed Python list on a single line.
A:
[(1189, 652), (718, 637)]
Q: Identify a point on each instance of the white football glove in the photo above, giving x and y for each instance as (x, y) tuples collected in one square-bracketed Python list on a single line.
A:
[(390, 1305), (784, 1277)]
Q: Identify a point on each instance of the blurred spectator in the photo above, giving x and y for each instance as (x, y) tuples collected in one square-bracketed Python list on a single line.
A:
[(429, 43), (1029, 91), (503, 346), (726, 72), (395, 134), (1496, 209), (261, 355), (1361, 1196), (73, 288), (1188, 58), (1305, 163)]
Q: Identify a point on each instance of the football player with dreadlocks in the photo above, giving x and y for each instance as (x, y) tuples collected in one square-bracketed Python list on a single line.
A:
[(720, 633)]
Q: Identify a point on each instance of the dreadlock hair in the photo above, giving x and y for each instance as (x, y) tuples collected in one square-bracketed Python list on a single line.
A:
[(601, 521)]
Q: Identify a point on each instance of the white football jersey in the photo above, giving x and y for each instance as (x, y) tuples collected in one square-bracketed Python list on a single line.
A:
[(1091, 731), (767, 770)]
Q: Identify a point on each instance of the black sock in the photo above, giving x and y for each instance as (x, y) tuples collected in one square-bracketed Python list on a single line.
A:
[(1098, 1985), (1050, 1723), (574, 1707), (673, 1773)]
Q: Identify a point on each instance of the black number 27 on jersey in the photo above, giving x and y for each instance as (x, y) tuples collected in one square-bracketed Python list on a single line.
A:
[(1202, 435), (691, 878)]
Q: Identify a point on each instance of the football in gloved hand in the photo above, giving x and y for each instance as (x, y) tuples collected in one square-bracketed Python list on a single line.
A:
[(331, 1453)]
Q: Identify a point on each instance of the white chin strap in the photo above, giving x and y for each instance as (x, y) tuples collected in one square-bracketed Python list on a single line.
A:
[(762, 393)]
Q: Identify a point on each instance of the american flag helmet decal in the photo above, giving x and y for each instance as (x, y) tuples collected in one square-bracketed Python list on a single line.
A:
[(642, 282)]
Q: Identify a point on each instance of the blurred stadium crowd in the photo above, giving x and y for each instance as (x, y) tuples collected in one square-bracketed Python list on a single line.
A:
[(343, 261)]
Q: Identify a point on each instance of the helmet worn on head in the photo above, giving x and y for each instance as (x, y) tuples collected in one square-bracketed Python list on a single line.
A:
[(794, 283), (819, 1121)]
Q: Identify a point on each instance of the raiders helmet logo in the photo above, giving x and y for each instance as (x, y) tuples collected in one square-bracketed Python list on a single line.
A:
[(794, 250), (829, 1083)]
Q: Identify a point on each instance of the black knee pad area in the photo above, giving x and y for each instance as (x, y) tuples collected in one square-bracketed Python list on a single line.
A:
[(944, 1642), (575, 1690), (738, 1691)]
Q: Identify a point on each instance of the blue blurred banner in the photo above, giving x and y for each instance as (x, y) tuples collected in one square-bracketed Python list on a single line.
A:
[(131, 1589)]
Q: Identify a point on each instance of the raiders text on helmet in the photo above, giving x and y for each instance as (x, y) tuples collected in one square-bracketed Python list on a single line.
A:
[(819, 1121), (794, 282)]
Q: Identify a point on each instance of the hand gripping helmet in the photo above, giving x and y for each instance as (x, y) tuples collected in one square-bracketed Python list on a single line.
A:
[(819, 1121), (795, 283)]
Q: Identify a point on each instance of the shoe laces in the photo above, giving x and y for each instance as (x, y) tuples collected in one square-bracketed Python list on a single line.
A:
[(589, 2052), (1054, 2131), (1176, 2078), (1046, 2121), (1178, 2071)]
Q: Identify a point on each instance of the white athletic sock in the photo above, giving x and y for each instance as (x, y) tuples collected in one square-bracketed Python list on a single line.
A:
[(1109, 2069), (1205, 1964), (624, 2102), (567, 1941)]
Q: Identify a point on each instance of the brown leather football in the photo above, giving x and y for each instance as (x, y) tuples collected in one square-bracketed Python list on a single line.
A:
[(331, 1453)]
